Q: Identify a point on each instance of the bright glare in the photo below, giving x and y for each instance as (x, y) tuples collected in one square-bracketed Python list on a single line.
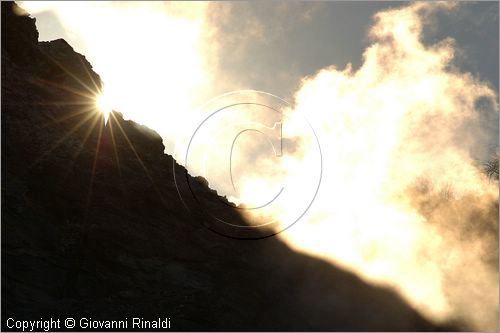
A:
[(149, 58), (104, 105)]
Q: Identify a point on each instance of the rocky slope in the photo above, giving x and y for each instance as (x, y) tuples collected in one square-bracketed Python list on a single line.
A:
[(93, 226)]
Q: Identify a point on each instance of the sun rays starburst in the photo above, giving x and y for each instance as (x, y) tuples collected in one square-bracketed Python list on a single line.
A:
[(104, 105)]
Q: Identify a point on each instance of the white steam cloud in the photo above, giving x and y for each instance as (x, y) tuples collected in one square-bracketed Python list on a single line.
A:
[(403, 201)]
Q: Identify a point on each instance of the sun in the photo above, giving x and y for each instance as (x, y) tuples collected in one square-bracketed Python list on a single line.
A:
[(104, 105)]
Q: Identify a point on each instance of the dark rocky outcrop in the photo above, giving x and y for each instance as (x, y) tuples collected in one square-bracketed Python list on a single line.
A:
[(92, 224), (19, 35)]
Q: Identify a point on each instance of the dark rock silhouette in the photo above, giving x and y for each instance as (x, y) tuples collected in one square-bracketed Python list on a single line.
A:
[(93, 226)]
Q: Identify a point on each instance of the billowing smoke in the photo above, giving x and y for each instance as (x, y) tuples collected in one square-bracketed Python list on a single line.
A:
[(403, 200)]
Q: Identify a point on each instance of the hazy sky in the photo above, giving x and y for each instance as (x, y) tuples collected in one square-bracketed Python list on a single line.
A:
[(273, 44), (267, 46)]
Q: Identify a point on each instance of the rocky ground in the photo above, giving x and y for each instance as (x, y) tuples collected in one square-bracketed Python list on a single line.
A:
[(90, 230)]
